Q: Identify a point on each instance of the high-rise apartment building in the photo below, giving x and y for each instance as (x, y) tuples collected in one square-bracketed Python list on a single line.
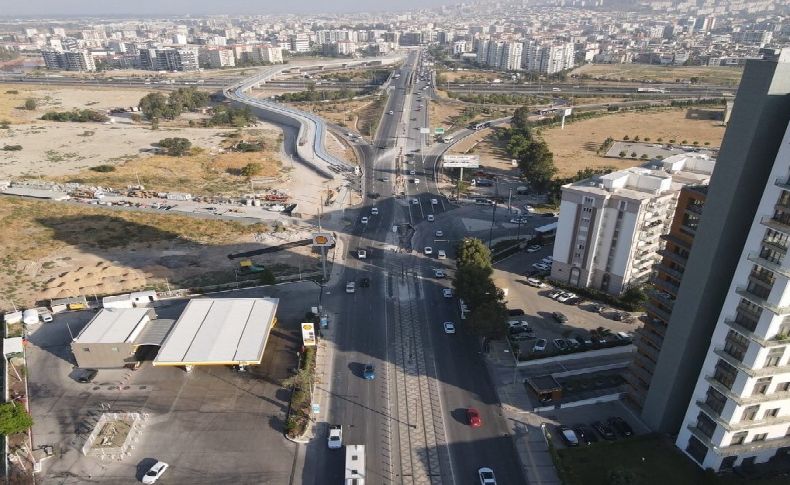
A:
[(666, 282), (511, 56), (71, 60), (609, 228), (757, 125), (299, 43), (548, 58)]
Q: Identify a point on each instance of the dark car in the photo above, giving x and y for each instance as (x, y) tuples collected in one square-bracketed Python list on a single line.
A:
[(515, 312), (621, 426), (364, 282), (568, 436), (604, 430), (369, 373), (585, 435), (86, 375), (560, 317)]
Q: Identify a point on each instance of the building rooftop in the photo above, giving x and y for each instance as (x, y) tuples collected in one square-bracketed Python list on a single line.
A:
[(220, 331), (114, 325)]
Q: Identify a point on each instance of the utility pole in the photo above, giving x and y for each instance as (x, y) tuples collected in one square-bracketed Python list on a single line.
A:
[(509, 197), (491, 232)]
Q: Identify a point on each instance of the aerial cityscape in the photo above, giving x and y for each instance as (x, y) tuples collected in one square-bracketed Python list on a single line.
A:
[(492, 242)]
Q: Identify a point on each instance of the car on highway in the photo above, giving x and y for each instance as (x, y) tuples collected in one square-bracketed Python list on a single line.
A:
[(390, 112), (560, 344), (415, 201), (604, 430), (351, 287), (568, 436), (473, 418), (412, 172), (486, 476), (364, 220), (585, 435), (434, 201), (534, 248), (155, 472), (560, 317), (374, 211), (447, 292), (541, 266), (540, 345), (416, 181), (428, 250), (335, 439), (369, 372), (535, 283), (439, 273), (439, 234), (449, 327), (620, 425), (442, 254)]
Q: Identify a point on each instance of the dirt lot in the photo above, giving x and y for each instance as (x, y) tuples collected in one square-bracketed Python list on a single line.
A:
[(450, 114), (728, 76), (468, 76), (52, 250), (575, 147)]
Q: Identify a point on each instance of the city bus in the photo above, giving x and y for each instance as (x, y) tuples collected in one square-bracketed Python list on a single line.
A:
[(355, 465)]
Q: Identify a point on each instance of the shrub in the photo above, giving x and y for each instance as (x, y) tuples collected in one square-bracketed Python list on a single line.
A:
[(633, 154), (30, 104), (622, 154), (626, 138), (12, 91), (76, 115), (103, 168), (175, 147), (14, 418), (12, 148), (251, 169)]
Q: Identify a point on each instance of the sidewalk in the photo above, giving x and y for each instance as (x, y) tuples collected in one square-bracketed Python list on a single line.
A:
[(525, 427)]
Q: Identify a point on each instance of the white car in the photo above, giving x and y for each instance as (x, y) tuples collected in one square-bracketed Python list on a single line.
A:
[(535, 282), (449, 327), (541, 266), (447, 292), (416, 181), (335, 439), (428, 250), (153, 473), (46, 317), (439, 273), (351, 287), (565, 297), (362, 254), (431, 218), (540, 345), (534, 248), (439, 234), (390, 112), (374, 211), (442, 254), (547, 260), (412, 172), (364, 220), (486, 476), (415, 201), (434, 201)]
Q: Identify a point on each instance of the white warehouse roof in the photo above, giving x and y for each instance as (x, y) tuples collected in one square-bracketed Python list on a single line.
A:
[(220, 331), (114, 325)]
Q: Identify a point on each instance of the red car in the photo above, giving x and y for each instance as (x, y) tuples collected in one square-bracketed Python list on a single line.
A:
[(473, 417)]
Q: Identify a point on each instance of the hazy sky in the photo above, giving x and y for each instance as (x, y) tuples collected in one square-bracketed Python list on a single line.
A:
[(46, 8)]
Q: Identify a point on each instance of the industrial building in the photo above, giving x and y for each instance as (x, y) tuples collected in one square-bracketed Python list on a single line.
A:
[(609, 228)]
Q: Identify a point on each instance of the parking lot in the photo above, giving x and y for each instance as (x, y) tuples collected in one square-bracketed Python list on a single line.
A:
[(585, 416), (213, 425)]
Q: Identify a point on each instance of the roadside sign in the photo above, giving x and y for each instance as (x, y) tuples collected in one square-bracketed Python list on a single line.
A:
[(323, 239), (308, 334), (461, 161), (316, 408), (425, 131), (438, 131)]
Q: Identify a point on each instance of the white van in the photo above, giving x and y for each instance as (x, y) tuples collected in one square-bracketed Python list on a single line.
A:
[(29, 317)]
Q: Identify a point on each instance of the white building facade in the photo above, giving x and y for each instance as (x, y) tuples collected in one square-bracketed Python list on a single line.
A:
[(740, 410)]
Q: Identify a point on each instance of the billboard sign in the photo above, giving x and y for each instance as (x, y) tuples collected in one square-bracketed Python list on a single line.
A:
[(461, 161), (568, 111), (308, 334), (425, 131), (323, 239), (438, 131)]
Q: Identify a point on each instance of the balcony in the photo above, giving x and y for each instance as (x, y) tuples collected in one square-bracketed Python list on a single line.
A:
[(695, 208), (753, 446), (734, 362), (757, 300), (648, 351), (682, 242), (768, 264), (651, 337), (769, 221), (657, 312), (712, 413), (665, 285), (672, 256), (669, 271), (742, 425), (640, 373), (783, 183), (775, 245)]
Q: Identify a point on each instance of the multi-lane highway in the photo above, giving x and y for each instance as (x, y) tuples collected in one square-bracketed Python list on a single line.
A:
[(412, 415)]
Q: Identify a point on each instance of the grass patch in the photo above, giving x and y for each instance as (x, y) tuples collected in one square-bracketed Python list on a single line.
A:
[(299, 410), (648, 460)]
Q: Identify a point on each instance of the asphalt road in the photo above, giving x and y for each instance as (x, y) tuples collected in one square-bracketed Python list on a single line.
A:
[(411, 417)]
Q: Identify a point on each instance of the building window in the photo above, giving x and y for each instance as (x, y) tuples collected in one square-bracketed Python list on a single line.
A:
[(776, 238), (736, 345), (760, 437), (622, 206), (86, 349), (761, 387), (725, 374), (783, 387), (758, 289), (771, 413), (706, 425), (696, 449), (750, 413), (715, 400), (738, 438), (771, 255), (588, 200), (727, 463), (774, 357)]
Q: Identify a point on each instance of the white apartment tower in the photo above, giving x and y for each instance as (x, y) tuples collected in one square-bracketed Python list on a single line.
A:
[(511, 56), (610, 226), (740, 409)]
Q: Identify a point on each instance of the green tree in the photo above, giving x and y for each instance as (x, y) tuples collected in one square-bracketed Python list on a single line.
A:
[(30, 104), (489, 319), (14, 418), (473, 252), (154, 106), (520, 119), (175, 147), (251, 169), (537, 164)]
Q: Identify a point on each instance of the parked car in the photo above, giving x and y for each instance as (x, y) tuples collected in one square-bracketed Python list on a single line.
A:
[(364, 220), (447, 292), (604, 430), (560, 317), (369, 373), (439, 234), (415, 201), (541, 266), (515, 312), (441, 254), (535, 283), (554, 294), (534, 248), (428, 250), (560, 344), (547, 260), (362, 254), (540, 345), (374, 211), (596, 308), (434, 201), (568, 436), (449, 327), (335, 439), (155, 472), (621, 426), (431, 218), (473, 418), (439, 273), (585, 435), (351, 287), (566, 297), (86, 376), (486, 476)]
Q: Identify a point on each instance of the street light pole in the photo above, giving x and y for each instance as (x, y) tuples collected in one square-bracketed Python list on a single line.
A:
[(491, 232)]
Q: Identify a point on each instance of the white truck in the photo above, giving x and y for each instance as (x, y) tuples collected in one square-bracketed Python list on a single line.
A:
[(355, 465)]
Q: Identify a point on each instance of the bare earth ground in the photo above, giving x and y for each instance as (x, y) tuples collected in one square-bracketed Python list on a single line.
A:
[(642, 72), (469, 76), (575, 147), (52, 250)]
